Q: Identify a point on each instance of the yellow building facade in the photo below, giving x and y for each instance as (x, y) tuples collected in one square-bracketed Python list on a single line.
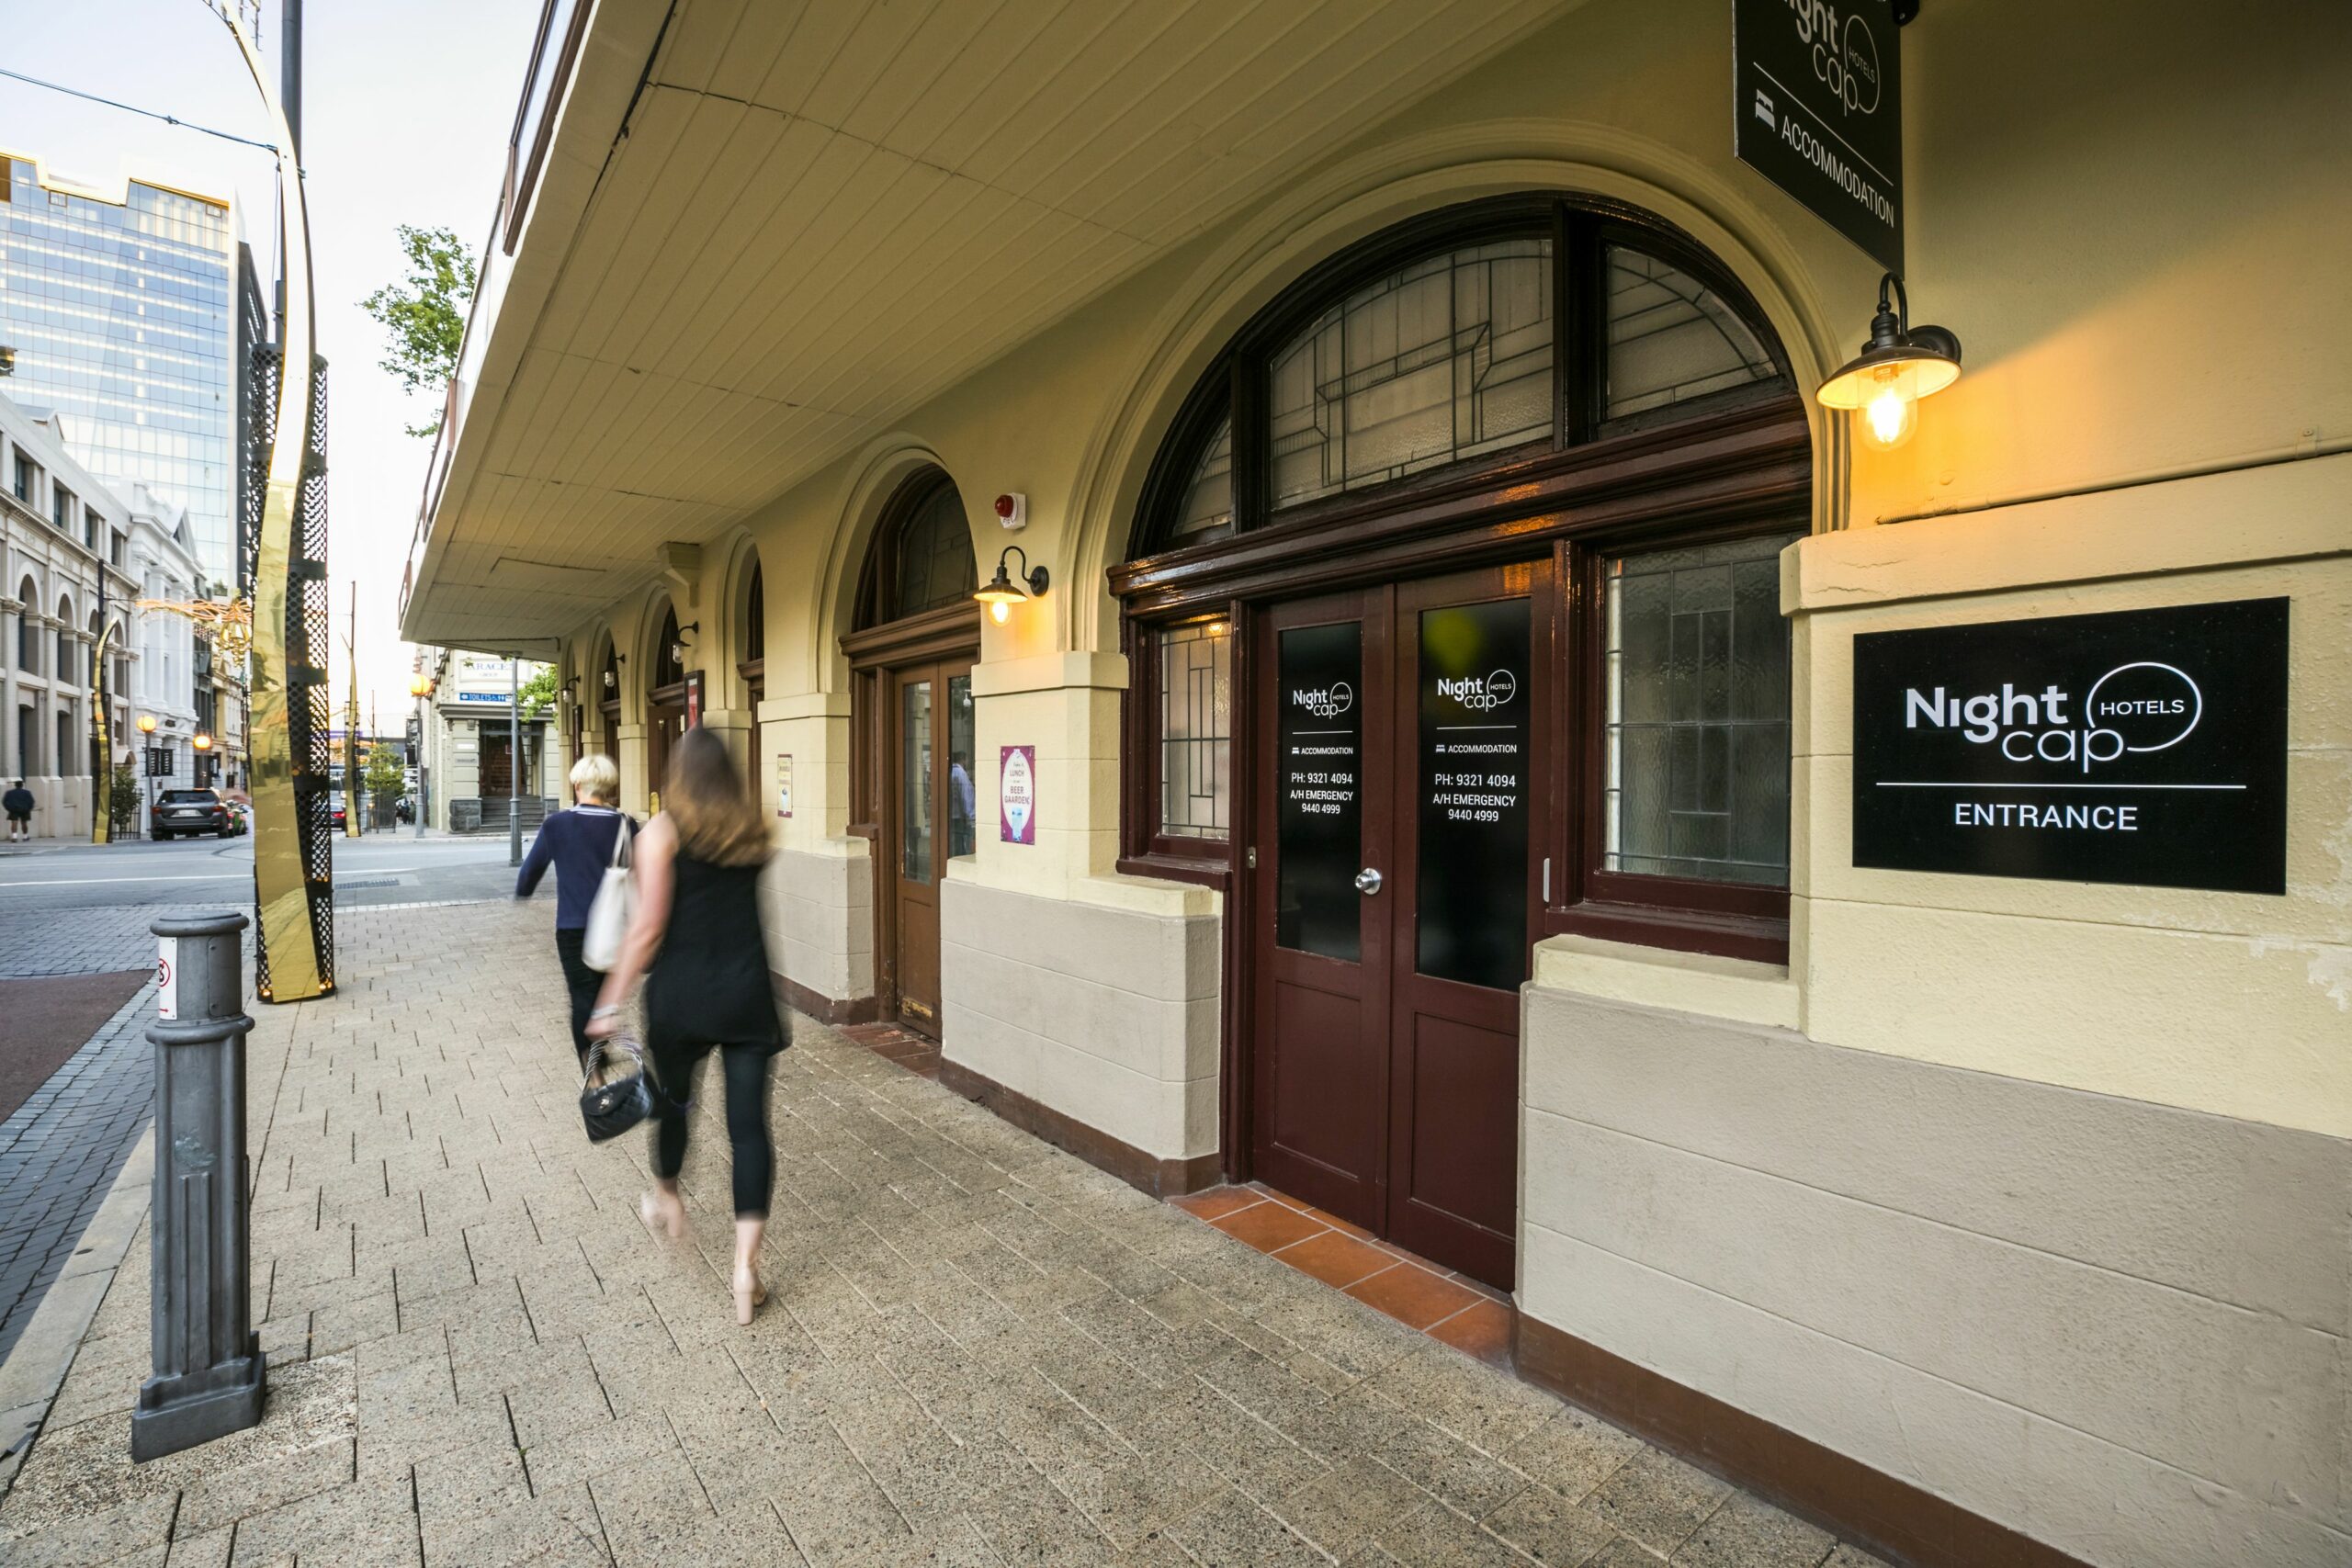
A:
[(1983, 1217)]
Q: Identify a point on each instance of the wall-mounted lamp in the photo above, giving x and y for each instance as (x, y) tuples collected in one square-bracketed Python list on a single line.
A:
[(420, 685), (611, 680), (1001, 592), (678, 648), (566, 693), (1899, 365)]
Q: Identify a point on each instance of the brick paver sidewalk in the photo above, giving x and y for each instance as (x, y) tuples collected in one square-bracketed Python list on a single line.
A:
[(976, 1350)]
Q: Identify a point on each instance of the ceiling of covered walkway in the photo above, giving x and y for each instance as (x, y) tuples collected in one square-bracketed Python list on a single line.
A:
[(783, 226)]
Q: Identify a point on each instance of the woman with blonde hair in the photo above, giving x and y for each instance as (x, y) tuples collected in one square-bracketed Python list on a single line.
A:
[(580, 843), (696, 929)]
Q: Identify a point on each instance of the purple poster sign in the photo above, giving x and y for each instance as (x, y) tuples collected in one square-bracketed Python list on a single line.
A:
[(1017, 794)]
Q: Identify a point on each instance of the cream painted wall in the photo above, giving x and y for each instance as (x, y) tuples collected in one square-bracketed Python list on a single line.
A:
[(2235, 1003), (2132, 221)]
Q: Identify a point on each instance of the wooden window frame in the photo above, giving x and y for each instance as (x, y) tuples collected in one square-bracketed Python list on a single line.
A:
[(1176, 856), (1730, 464), (1733, 919)]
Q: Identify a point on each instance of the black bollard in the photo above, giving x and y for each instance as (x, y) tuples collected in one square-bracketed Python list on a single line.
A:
[(208, 1377)]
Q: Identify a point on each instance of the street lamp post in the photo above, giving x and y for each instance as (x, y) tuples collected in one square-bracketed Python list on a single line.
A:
[(203, 744), (146, 757), (420, 686)]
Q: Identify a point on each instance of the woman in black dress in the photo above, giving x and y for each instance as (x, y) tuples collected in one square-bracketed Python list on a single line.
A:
[(696, 930)]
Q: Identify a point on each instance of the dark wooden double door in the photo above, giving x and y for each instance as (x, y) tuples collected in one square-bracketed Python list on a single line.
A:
[(1402, 734)]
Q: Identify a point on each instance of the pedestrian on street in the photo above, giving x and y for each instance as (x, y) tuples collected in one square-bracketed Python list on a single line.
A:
[(696, 927), (18, 803), (579, 844)]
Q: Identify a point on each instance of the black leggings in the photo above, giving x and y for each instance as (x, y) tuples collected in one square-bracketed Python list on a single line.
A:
[(676, 1068), (582, 982)]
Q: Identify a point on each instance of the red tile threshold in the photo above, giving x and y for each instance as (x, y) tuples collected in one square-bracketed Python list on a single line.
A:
[(1451, 1307)]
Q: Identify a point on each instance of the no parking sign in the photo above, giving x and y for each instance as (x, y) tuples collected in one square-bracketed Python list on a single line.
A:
[(167, 976)]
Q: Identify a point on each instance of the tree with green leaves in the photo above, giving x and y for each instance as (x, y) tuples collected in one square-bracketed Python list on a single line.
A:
[(425, 316), (538, 692), (124, 797), (387, 770)]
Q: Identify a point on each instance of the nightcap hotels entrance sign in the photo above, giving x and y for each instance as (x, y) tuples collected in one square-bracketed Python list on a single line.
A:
[(1817, 110), (2144, 746)]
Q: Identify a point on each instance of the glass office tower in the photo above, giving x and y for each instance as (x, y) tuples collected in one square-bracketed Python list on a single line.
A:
[(120, 317)]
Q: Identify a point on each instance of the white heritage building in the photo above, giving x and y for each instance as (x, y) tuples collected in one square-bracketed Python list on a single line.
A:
[(62, 531)]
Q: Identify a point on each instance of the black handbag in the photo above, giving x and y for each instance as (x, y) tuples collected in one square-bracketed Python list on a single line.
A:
[(615, 1105)]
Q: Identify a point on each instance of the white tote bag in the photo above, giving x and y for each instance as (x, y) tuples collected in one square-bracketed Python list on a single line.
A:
[(600, 949)]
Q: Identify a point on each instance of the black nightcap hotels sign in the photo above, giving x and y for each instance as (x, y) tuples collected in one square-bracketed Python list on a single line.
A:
[(2145, 746), (1817, 110)]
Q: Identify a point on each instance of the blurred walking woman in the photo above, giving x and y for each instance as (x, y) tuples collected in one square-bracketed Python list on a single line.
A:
[(696, 929), (579, 844)]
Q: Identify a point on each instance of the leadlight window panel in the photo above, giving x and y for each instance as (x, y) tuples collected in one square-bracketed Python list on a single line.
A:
[(1696, 724), (1448, 359), (1671, 338), (1207, 511), (1196, 731), (934, 554)]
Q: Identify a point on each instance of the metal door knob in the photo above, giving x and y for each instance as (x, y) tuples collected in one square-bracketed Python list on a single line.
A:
[(1367, 881)]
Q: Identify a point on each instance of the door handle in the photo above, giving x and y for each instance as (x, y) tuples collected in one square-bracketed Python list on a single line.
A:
[(1367, 881)]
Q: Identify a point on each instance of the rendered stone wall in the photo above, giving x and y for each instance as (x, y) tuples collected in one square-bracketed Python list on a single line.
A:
[(2113, 1326)]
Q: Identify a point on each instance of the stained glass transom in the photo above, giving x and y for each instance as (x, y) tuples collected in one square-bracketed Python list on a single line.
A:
[(1196, 731), (1207, 512), (1447, 359), (1672, 339), (934, 554), (1698, 714)]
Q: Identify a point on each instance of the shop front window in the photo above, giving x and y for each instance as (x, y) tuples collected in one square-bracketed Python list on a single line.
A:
[(1195, 682), (1695, 679)]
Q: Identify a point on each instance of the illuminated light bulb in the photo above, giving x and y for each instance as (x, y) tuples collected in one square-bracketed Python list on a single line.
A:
[(1000, 611), (1899, 365), (1889, 417)]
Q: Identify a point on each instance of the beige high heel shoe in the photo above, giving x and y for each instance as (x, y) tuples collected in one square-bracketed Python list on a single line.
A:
[(750, 1295)]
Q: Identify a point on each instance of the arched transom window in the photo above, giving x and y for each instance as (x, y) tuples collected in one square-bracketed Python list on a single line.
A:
[(921, 561), (1473, 337)]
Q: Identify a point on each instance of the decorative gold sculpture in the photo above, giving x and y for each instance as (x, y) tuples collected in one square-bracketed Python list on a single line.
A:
[(295, 968)]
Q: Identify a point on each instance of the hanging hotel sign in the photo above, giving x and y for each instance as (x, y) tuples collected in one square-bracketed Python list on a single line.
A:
[(1817, 110), (2145, 747), (1017, 794)]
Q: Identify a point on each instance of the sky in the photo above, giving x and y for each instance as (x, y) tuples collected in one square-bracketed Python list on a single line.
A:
[(406, 109)]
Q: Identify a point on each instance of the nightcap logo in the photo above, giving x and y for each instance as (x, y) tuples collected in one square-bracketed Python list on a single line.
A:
[(2151, 705), (1326, 701), (1482, 694), (2140, 707), (1844, 55)]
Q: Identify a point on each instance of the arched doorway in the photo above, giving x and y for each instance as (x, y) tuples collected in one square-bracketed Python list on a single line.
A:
[(607, 697), (1453, 625), (753, 667), (665, 704), (912, 769)]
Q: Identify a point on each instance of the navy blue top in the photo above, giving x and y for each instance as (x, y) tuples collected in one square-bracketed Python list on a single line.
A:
[(579, 844)]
